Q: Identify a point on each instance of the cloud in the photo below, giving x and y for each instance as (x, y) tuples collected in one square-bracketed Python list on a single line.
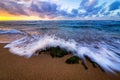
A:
[(45, 8), (74, 12), (115, 5), (39, 8), (12, 7), (111, 10), (89, 7), (92, 8)]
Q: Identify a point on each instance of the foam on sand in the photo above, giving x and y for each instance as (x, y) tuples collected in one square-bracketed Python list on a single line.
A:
[(106, 56)]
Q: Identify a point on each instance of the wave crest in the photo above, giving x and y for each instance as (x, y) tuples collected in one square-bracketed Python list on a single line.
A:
[(103, 54)]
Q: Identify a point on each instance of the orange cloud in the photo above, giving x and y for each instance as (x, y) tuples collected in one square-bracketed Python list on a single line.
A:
[(4, 16)]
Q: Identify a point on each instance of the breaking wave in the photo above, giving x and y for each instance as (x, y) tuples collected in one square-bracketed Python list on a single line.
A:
[(10, 35), (11, 31), (97, 40), (107, 56)]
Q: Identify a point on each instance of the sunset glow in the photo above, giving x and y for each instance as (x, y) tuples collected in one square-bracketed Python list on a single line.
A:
[(5, 16), (59, 9)]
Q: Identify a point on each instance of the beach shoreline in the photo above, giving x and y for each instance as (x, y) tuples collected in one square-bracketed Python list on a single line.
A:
[(44, 67)]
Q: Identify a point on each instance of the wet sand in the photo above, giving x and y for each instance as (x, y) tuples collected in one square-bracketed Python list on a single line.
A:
[(44, 67)]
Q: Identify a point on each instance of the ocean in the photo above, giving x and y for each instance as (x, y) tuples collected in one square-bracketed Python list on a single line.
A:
[(97, 39)]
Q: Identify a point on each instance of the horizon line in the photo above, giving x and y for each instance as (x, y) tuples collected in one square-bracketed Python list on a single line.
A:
[(65, 20)]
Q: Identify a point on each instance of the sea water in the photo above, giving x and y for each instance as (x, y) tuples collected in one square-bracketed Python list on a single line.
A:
[(98, 40)]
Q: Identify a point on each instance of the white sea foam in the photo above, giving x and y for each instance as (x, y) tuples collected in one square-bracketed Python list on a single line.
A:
[(10, 31), (106, 56), (10, 35)]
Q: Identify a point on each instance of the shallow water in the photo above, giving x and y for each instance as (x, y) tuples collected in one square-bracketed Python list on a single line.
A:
[(98, 40)]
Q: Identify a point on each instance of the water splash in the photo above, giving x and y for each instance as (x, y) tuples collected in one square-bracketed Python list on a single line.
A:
[(105, 55)]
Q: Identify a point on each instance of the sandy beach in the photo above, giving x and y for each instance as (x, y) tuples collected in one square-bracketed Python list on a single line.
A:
[(44, 67)]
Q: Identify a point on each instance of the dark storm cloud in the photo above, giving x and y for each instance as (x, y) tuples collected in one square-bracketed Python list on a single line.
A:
[(115, 5)]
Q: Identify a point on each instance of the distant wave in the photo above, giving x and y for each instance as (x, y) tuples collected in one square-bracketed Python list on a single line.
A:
[(11, 31), (105, 55), (9, 35)]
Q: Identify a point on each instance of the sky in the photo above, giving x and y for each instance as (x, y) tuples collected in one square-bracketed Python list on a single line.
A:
[(59, 9)]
